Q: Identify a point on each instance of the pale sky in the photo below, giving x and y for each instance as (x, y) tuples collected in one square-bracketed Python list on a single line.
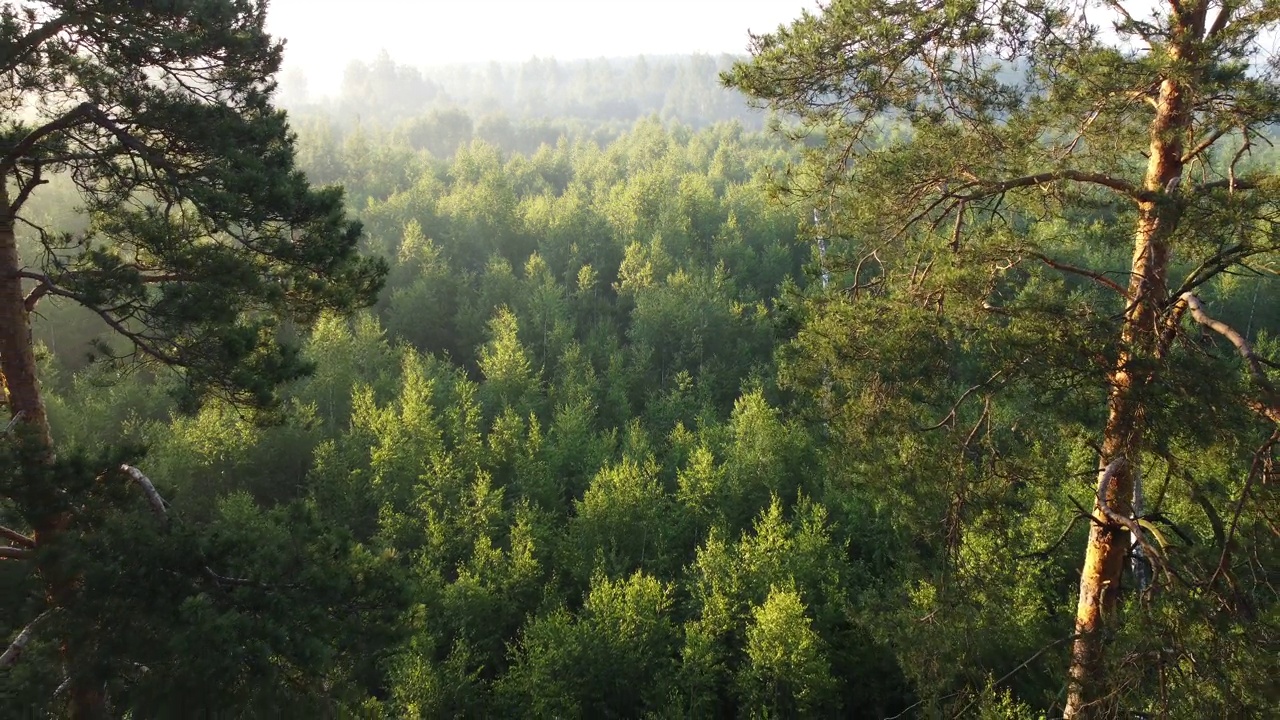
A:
[(324, 35)]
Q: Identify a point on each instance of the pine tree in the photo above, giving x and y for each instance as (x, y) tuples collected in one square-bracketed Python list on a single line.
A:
[(956, 133), (204, 236)]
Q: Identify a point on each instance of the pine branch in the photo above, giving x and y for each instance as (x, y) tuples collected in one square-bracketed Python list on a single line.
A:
[(27, 188), (11, 56), (85, 112), (70, 119), (142, 342), (982, 189), (1095, 276)]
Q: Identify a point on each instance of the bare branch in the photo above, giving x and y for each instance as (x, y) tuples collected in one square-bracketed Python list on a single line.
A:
[(1212, 266), (1044, 554), (13, 553), (158, 505), (1230, 185), (19, 644), (1220, 22), (1205, 144), (1095, 276), (1246, 148), (1269, 407), (956, 407), (1135, 531), (16, 537), (1256, 470), (1024, 663), (33, 298), (230, 581)]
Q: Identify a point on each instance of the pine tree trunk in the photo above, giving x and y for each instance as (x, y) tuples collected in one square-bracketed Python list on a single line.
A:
[(22, 384), (17, 356), (1123, 433)]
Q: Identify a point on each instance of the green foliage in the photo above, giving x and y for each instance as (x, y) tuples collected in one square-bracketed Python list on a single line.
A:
[(611, 661), (978, 174), (202, 231), (787, 673), (604, 447), (294, 615)]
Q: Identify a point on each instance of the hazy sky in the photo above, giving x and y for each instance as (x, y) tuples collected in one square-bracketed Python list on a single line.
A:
[(324, 35)]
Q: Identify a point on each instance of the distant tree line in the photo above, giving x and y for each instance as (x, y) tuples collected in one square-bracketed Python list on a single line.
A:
[(605, 91)]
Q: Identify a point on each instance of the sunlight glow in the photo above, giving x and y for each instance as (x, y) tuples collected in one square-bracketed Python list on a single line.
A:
[(325, 35)]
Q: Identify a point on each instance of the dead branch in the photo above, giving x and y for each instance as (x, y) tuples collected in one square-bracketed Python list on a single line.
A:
[(1255, 470), (1135, 531), (1023, 664), (1269, 406), (230, 581), (158, 505), (17, 537), (13, 553), (11, 655), (1044, 554), (956, 407)]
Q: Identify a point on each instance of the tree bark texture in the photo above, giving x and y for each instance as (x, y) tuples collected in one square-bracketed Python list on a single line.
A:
[(17, 356), (1123, 433)]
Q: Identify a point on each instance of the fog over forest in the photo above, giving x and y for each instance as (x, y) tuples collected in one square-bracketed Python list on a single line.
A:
[(621, 359), (604, 92)]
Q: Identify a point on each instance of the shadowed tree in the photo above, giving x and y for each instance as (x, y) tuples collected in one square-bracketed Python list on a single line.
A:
[(204, 235)]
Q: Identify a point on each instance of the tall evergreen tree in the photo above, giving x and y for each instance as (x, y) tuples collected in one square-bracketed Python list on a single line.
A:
[(956, 131), (204, 235)]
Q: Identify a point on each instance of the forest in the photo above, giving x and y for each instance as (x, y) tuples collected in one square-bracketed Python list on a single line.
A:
[(920, 364)]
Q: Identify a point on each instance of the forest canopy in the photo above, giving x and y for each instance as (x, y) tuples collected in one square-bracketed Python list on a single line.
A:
[(942, 384)]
